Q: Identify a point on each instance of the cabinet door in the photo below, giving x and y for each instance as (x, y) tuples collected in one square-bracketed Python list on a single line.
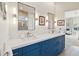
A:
[(20, 51), (62, 42), (17, 52), (47, 47), (31, 50)]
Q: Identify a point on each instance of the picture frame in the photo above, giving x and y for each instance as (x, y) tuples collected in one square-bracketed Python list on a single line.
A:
[(41, 20), (60, 22)]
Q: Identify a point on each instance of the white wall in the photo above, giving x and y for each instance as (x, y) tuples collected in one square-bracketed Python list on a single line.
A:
[(13, 25), (3, 30), (41, 10)]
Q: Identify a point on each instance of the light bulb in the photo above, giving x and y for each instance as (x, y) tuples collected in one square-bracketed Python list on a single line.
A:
[(14, 20), (6, 7), (36, 15), (14, 10)]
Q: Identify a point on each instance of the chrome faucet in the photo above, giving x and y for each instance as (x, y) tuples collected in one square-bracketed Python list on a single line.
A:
[(29, 34)]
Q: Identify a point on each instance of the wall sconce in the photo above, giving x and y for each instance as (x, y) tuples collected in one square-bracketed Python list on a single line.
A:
[(14, 18), (14, 15), (36, 16), (14, 12), (46, 20), (3, 10)]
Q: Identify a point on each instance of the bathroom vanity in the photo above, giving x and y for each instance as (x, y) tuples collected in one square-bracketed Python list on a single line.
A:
[(41, 45)]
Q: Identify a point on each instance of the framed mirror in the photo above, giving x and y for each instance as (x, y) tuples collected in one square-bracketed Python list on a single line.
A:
[(51, 20), (26, 17)]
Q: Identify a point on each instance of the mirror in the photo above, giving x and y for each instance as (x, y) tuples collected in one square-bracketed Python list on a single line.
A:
[(26, 17), (51, 20)]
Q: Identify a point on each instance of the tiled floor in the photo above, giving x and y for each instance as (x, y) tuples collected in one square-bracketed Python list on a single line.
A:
[(71, 46), (71, 51)]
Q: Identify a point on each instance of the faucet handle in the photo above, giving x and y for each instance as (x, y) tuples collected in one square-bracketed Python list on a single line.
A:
[(29, 34)]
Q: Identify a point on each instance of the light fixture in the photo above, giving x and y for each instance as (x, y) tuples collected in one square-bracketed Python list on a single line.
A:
[(6, 7), (14, 12), (4, 11), (14, 20), (14, 15), (46, 17), (36, 16)]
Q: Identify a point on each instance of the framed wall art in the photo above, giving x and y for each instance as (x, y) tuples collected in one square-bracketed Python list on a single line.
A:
[(60, 23), (41, 20)]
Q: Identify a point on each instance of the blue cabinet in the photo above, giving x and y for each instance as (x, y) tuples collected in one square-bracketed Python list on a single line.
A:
[(61, 44), (31, 50), (47, 47), (17, 52), (53, 46), (35, 52), (50, 47)]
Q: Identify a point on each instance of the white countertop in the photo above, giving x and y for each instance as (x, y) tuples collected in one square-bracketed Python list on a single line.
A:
[(17, 43)]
